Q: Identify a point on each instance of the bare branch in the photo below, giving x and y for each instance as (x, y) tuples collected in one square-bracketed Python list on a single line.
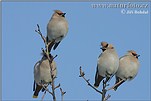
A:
[(82, 75), (57, 86), (103, 92), (47, 90), (115, 85), (46, 52), (62, 94), (53, 58), (81, 72), (39, 32), (107, 97), (43, 96)]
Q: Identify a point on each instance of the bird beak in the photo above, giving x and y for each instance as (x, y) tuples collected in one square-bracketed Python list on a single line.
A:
[(137, 56), (63, 14)]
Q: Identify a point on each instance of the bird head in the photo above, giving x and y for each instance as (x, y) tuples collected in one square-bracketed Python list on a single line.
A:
[(58, 13), (133, 53), (105, 46)]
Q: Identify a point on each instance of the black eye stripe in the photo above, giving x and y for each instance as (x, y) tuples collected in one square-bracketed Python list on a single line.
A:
[(59, 13), (134, 54), (106, 45)]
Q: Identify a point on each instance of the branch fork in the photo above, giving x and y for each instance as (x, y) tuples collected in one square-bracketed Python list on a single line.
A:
[(105, 84), (50, 59)]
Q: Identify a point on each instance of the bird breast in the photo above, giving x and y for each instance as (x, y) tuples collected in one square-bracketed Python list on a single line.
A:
[(128, 68), (108, 62), (42, 71), (57, 29)]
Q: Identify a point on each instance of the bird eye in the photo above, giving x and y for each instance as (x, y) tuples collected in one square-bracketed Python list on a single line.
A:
[(112, 47)]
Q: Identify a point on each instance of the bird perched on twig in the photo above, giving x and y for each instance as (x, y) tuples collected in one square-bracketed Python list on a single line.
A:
[(57, 29), (108, 63), (128, 68), (43, 73)]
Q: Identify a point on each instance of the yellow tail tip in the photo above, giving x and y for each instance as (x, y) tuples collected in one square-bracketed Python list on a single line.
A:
[(96, 86), (35, 96)]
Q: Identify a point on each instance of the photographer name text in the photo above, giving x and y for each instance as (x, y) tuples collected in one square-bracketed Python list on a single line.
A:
[(143, 12)]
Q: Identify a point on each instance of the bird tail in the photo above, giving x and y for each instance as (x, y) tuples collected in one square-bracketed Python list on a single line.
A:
[(98, 79), (34, 86), (117, 81), (35, 96), (56, 45), (38, 88)]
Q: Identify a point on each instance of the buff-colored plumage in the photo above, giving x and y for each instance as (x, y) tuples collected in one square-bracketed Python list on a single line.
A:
[(108, 63), (42, 74), (128, 67), (57, 28)]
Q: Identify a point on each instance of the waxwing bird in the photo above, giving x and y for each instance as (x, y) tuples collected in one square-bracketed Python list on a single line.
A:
[(57, 29), (107, 64), (42, 74), (128, 68)]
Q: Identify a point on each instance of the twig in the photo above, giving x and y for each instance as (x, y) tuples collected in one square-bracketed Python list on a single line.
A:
[(39, 32), (51, 71), (53, 88), (115, 85), (46, 52), (43, 96), (53, 58), (57, 86), (62, 94), (103, 92), (107, 97), (89, 84), (47, 89), (52, 76), (104, 97)]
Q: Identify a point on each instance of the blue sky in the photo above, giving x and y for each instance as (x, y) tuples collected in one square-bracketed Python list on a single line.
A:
[(21, 48)]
